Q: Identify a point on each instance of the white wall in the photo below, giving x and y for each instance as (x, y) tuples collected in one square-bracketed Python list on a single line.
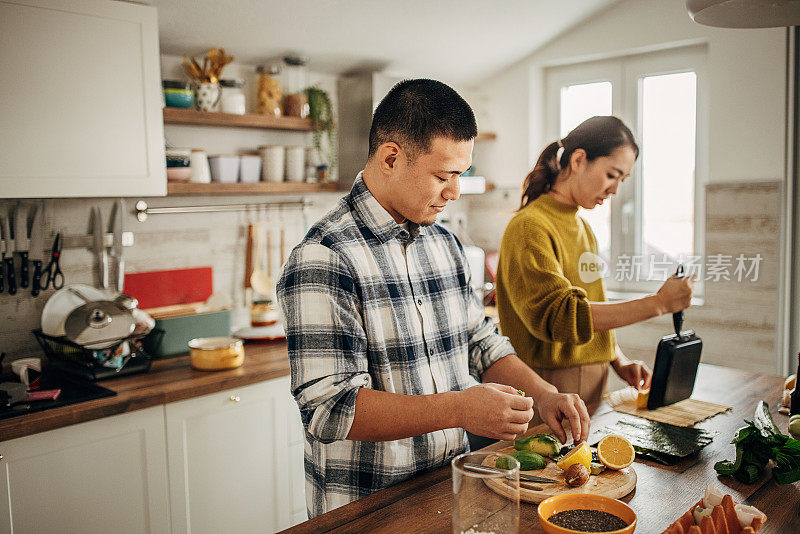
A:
[(746, 70)]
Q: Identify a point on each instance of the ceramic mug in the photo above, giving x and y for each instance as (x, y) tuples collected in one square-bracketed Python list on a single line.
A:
[(207, 96)]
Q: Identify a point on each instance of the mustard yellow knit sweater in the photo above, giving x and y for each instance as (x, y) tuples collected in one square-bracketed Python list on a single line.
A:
[(542, 303)]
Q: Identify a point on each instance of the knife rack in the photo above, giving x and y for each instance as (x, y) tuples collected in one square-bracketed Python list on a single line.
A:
[(87, 240)]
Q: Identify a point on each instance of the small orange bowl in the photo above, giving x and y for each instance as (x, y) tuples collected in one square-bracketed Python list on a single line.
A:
[(584, 501)]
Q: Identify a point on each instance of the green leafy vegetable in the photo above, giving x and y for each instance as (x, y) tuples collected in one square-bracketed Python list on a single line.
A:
[(756, 444)]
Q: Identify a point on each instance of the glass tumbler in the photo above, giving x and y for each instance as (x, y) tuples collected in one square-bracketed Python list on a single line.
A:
[(485, 502)]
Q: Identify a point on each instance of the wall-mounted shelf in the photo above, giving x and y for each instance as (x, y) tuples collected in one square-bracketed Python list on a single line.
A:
[(486, 136), (189, 188), (248, 120)]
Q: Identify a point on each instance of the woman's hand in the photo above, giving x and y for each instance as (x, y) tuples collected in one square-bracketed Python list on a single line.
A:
[(636, 373), (675, 294)]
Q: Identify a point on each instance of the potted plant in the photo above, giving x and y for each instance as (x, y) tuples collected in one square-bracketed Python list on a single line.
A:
[(320, 111)]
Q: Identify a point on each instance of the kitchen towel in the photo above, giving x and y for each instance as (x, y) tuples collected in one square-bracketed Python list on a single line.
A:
[(687, 412)]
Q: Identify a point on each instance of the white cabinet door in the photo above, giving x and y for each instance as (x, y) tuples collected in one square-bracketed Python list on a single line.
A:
[(296, 477), (229, 462), (103, 476), (81, 99)]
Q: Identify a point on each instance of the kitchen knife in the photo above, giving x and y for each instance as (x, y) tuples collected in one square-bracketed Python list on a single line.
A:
[(99, 248), (478, 468), (37, 249), (21, 242), (9, 259), (2, 257), (116, 250)]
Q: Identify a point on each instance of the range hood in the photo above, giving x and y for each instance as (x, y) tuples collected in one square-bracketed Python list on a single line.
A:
[(745, 13)]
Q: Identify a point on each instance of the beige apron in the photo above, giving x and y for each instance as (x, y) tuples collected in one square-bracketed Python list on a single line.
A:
[(588, 381)]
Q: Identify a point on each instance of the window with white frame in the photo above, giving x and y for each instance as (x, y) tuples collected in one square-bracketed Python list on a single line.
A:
[(653, 223)]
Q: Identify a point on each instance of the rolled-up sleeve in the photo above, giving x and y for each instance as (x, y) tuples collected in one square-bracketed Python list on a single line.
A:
[(326, 339), (550, 307)]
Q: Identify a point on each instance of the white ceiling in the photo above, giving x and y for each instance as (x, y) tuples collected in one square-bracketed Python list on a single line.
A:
[(458, 41)]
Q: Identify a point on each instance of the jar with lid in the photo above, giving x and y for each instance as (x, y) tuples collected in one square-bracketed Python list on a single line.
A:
[(269, 92), (232, 99), (295, 82)]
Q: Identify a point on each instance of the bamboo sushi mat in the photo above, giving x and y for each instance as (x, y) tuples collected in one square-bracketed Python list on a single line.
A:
[(683, 413)]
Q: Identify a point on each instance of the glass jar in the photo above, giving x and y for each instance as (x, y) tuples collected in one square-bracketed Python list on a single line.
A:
[(232, 99), (270, 93), (295, 82)]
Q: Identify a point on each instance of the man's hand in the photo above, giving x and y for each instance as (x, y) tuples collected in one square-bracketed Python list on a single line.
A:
[(495, 411), (635, 373), (554, 407)]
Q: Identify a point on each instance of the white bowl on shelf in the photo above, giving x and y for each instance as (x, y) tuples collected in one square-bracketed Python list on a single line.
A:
[(224, 168)]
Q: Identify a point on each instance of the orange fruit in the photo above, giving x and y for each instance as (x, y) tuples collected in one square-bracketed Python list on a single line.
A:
[(579, 455), (641, 398), (615, 452)]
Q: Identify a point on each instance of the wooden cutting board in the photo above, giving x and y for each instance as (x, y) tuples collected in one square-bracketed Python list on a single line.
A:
[(610, 483)]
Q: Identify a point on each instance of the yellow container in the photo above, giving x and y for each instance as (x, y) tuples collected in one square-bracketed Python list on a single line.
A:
[(216, 353)]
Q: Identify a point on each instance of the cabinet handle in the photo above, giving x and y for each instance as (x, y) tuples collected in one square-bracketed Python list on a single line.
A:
[(235, 398)]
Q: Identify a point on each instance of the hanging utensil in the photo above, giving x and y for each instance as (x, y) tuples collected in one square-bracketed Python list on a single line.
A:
[(116, 250), (99, 247), (9, 259), (21, 242), (37, 250), (248, 260), (52, 274), (259, 280), (2, 256)]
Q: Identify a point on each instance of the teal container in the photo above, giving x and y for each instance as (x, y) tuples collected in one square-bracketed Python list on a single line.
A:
[(171, 336), (178, 98)]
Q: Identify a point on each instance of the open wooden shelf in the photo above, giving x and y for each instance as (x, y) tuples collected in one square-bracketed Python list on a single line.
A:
[(190, 188), (248, 120), (486, 136)]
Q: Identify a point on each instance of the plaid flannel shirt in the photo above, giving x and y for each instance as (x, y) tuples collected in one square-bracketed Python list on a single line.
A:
[(369, 303)]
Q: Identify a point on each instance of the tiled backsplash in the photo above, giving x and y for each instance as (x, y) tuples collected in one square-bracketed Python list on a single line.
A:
[(737, 320), (165, 241)]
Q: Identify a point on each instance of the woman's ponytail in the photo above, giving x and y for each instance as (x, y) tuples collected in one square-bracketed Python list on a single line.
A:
[(543, 176), (597, 136)]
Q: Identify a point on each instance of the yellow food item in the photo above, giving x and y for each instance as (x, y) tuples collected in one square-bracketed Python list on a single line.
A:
[(790, 382), (642, 397), (615, 452), (579, 455)]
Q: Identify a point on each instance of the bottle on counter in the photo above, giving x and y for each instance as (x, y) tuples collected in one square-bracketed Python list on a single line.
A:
[(794, 407)]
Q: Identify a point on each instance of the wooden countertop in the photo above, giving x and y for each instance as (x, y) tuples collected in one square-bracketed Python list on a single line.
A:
[(169, 380), (662, 494)]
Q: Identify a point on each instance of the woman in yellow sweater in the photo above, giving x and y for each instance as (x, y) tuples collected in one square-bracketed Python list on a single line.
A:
[(560, 325)]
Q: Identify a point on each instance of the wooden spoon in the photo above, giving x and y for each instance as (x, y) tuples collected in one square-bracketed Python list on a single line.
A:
[(260, 280)]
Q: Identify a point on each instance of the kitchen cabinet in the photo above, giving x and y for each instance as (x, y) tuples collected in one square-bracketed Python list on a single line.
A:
[(81, 102), (227, 461), (102, 476), (230, 466)]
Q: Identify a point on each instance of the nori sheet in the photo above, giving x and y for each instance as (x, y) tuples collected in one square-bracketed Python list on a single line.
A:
[(660, 442)]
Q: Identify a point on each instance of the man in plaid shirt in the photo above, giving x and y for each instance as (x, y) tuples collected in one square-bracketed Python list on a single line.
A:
[(391, 354)]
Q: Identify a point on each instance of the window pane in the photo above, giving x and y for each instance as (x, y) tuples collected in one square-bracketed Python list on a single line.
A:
[(668, 166), (578, 103)]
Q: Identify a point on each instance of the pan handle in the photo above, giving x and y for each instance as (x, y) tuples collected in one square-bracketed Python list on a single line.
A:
[(677, 317)]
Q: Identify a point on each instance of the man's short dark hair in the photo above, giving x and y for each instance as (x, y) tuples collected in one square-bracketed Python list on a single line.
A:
[(416, 111)]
